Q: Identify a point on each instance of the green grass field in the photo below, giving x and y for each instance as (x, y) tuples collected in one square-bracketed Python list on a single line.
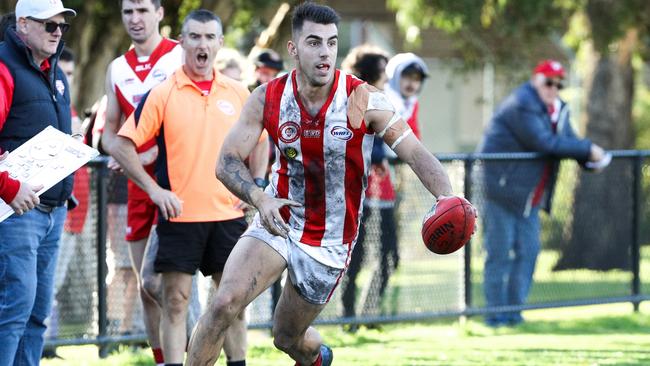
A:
[(582, 336)]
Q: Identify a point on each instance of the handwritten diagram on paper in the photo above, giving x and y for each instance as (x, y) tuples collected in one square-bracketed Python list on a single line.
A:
[(45, 159)]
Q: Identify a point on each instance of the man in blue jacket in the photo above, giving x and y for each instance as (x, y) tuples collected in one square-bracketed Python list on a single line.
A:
[(531, 119), (34, 94)]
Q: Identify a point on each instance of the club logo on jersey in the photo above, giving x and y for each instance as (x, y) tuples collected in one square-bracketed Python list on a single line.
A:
[(311, 134), (159, 75), (289, 132), (226, 107), (290, 152), (341, 133), (144, 67), (60, 86)]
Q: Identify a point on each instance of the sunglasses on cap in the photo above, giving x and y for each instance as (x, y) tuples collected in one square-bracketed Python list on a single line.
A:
[(50, 26), (552, 83)]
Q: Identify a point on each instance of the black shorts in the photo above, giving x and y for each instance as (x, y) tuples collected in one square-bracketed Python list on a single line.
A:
[(188, 246)]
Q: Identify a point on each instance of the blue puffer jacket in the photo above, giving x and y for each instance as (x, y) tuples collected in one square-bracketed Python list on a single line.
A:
[(38, 101), (522, 124)]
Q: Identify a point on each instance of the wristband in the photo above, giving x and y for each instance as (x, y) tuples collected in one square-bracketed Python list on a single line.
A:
[(261, 182)]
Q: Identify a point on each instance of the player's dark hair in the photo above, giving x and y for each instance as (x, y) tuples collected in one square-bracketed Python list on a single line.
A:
[(308, 11), (202, 16), (156, 3), (67, 55)]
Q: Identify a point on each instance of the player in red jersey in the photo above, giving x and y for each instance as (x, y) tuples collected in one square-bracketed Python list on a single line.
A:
[(129, 77), (322, 122)]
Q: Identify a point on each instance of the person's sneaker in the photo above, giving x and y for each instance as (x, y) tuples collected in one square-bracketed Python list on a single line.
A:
[(326, 355)]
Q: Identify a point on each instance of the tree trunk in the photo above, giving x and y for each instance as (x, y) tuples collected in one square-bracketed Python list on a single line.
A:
[(602, 228)]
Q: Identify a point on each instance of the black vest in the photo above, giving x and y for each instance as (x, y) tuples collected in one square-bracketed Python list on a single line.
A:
[(37, 103)]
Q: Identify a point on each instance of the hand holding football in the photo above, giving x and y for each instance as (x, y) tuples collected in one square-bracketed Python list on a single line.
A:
[(449, 225)]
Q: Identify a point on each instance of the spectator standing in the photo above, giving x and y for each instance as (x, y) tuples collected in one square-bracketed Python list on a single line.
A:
[(231, 63), (369, 64), (531, 119), (188, 115), (268, 64), (34, 95), (406, 74), (129, 77)]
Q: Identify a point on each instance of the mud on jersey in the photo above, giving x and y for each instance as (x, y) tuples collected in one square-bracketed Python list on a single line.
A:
[(322, 162)]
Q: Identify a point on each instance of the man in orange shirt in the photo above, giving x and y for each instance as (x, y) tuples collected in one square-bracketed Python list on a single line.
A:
[(200, 221)]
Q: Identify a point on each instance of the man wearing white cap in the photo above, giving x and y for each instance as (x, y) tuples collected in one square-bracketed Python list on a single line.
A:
[(34, 95)]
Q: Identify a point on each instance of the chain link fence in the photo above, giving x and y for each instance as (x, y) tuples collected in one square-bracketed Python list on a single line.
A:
[(591, 253)]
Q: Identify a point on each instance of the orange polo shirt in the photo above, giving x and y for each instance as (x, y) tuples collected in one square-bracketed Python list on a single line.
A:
[(189, 129)]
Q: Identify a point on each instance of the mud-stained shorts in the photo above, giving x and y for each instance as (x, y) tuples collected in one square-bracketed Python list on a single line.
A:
[(314, 271)]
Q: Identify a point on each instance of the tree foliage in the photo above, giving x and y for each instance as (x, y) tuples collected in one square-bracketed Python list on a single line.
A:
[(499, 31), (607, 34)]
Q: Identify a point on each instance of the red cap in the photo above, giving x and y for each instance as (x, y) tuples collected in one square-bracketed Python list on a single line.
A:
[(549, 68)]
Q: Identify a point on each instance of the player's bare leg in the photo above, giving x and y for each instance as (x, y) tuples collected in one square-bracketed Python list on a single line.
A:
[(251, 268), (292, 332), (177, 287), (143, 253), (236, 342)]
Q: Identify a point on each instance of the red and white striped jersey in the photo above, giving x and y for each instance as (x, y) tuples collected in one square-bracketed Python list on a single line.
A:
[(322, 161), (132, 76)]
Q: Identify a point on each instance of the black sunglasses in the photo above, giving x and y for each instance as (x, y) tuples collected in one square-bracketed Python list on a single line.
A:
[(550, 83), (50, 26)]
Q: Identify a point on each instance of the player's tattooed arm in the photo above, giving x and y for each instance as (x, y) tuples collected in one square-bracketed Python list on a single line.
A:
[(234, 174), (238, 145)]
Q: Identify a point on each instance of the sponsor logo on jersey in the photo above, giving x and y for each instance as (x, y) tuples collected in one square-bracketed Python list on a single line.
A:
[(129, 81), (60, 86), (159, 75), (143, 67), (226, 107), (341, 133), (290, 152), (311, 134), (289, 132)]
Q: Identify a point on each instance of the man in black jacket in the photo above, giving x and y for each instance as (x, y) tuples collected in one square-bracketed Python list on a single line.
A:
[(33, 96), (531, 119)]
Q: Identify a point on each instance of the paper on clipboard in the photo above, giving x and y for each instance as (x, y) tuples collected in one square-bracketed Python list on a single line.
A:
[(46, 159)]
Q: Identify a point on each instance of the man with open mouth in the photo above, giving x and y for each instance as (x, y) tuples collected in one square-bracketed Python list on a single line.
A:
[(188, 116)]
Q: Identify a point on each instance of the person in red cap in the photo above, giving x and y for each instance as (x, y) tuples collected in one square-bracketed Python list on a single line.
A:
[(531, 119)]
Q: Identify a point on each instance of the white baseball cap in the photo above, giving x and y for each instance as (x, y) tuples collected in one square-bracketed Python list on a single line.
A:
[(41, 9)]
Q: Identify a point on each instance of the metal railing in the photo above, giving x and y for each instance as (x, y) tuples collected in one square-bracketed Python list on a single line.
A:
[(424, 285)]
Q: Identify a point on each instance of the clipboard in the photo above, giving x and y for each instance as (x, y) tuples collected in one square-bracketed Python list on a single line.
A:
[(46, 159)]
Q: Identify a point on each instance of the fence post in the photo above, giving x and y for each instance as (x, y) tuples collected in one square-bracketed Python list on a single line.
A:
[(469, 163), (102, 173), (635, 247)]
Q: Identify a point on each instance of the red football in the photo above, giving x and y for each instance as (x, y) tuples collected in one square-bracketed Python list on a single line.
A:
[(449, 225)]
